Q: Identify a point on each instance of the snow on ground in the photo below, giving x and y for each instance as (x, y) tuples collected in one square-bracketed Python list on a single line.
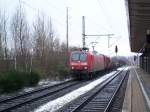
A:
[(125, 69), (50, 82), (28, 89), (61, 101), (43, 83), (120, 68)]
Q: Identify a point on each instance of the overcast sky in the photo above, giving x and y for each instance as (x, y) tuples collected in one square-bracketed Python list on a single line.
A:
[(101, 17)]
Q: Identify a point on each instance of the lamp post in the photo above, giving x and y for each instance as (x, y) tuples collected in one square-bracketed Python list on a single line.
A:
[(31, 60)]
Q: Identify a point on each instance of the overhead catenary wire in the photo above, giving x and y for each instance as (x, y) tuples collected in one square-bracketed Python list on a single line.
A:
[(100, 5), (39, 11), (53, 6), (103, 27), (96, 23), (105, 13), (114, 43), (93, 35)]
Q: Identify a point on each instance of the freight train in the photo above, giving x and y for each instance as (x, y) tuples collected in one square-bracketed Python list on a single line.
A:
[(84, 63)]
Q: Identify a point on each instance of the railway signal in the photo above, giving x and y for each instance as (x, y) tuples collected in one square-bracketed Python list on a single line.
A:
[(148, 37), (134, 58), (83, 31), (116, 50)]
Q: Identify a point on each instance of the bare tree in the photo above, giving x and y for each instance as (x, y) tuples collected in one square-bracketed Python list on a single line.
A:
[(47, 46), (39, 35), (1, 47), (3, 33), (5, 19), (41, 48), (21, 36)]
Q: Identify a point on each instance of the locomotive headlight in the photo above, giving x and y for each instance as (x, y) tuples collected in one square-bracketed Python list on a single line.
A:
[(85, 67), (72, 67)]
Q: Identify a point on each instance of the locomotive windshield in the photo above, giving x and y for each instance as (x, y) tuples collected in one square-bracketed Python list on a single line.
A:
[(83, 57), (79, 57), (75, 56)]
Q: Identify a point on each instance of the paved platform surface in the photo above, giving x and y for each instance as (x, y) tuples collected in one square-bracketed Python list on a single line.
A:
[(137, 92)]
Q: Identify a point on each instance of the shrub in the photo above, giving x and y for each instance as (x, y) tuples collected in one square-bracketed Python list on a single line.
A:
[(63, 71), (10, 81), (34, 78), (15, 80)]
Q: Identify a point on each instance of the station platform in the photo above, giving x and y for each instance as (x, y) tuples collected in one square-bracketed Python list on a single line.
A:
[(137, 96)]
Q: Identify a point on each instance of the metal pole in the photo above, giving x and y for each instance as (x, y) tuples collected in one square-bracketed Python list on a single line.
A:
[(108, 41), (67, 51), (67, 28), (83, 31), (93, 44), (1, 45), (31, 59), (109, 36), (93, 47), (15, 62)]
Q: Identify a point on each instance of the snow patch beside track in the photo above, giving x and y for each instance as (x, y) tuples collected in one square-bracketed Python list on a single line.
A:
[(61, 101)]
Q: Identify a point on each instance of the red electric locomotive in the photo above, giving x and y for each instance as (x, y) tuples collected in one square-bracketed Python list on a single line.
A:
[(84, 63)]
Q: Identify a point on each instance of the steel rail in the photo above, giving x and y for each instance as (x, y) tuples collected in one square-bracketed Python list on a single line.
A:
[(36, 98), (103, 85), (107, 109), (33, 91)]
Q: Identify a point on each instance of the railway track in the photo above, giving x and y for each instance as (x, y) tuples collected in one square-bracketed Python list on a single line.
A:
[(28, 97), (31, 100), (33, 91), (101, 98)]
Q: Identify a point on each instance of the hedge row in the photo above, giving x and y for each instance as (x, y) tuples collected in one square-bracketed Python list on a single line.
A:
[(15, 80)]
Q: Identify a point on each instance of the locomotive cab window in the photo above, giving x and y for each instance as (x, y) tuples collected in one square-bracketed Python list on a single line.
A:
[(83, 57), (75, 56), (79, 57)]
